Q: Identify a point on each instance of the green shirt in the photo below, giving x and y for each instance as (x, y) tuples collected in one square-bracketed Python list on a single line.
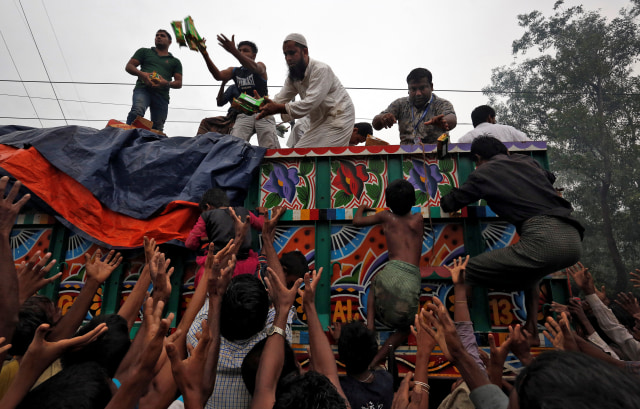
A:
[(165, 65)]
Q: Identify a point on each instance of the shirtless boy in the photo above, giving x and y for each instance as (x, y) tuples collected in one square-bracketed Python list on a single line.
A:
[(396, 288)]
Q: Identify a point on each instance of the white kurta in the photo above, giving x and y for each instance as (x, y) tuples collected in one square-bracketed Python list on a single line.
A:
[(325, 101)]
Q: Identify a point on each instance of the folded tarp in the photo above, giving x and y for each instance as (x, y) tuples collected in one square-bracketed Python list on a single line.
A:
[(136, 178)]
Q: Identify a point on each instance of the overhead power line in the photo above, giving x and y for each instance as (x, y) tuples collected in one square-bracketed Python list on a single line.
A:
[(492, 91), (41, 59)]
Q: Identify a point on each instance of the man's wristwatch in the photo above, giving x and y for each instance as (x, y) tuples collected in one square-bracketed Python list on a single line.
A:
[(276, 330)]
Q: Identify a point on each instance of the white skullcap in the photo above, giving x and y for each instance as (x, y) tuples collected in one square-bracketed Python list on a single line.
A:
[(298, 38)]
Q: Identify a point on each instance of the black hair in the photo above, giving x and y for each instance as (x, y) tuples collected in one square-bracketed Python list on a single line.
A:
[(481, 113), (35, 311), (108, 349), (251, 44), (401, 196), (294, 263), (215, 197), (357, 347), (244, 308), (561, 379), (85, 386), (417, 74), (251, 362), (487, 147), (364, 128), (166, 32), (309, 391)]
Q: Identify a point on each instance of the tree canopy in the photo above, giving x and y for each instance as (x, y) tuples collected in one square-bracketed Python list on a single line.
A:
[(573, 84)]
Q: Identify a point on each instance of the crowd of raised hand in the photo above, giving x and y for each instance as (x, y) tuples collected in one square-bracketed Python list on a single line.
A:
[(57, 362)]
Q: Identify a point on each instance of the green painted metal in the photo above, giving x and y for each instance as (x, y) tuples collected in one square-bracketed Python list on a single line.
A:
[(111, 292), (57, 248), (323, 240)]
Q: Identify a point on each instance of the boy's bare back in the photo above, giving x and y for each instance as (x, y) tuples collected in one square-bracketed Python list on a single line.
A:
[(403, 233), (404, 236)]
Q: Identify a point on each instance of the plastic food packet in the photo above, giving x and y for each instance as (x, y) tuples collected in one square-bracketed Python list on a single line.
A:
[(179, 33), (247, 104), (191, 34)]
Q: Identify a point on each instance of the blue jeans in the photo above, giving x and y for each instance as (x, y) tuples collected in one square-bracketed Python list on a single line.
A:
[(158, 105)]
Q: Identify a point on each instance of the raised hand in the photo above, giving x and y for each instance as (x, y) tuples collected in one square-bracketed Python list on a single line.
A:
[(497, 359), (560, 334), (189, 373), (630, 304), (423, 338), (269, 226), (387, 120), (8, 209), (635, 278), (241, 227), (220, 273), (438, 121), (160, 276), (558, 308), (31, 275), (281, 296), (99, 270), (582, 277), (45, 352), (457, 270), (520, 345), (150, 248), (311, 280), (229, 45), (335, 330)]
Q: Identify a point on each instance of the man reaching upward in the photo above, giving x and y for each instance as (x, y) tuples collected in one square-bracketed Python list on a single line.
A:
[(250, 78)]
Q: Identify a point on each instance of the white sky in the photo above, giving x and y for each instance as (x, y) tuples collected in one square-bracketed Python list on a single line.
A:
[(369, 44)]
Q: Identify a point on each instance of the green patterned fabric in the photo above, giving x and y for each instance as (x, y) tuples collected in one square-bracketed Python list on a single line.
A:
[(397, 294)]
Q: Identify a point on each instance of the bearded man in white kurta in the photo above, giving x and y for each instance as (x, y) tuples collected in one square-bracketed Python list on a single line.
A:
[(322, 98)]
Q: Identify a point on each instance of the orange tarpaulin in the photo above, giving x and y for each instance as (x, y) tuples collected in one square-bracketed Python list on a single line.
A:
[(74, 203)]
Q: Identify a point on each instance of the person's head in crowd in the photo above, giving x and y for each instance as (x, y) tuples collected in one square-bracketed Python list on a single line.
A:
[(481, 114), (309, 391), (84, 386), (574, 380), (420, 85), (244, 308), (361, 131), (357, 347), (108, 350), (485, 147), (295, 266), (296, 55), (251, 362), (35, 311), (401, 196), (248, 48), (213, 199)]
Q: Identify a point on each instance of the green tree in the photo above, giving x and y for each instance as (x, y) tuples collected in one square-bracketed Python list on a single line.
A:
[(573, 85)]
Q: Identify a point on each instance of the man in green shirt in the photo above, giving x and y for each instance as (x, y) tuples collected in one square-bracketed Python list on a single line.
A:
[(157, 68)]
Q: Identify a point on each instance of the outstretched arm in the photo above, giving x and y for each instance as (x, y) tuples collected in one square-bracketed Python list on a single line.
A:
[(361, 220), (9, 290), (224, 75), (97, 272), (38, 357), (268, 236), (272, 358)]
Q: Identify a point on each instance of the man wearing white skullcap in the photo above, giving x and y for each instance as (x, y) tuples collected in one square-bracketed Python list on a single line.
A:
[(323, 98)]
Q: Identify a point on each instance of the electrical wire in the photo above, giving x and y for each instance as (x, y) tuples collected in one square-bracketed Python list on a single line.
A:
[(42, 59)]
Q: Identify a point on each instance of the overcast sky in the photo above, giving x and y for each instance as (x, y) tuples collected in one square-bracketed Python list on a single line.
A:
[(369, 44)]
